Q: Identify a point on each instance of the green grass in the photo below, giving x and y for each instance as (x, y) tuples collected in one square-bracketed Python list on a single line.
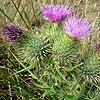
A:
[(36, 68)]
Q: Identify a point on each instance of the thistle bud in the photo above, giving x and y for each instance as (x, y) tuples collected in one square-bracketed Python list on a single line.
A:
[(11, 32)]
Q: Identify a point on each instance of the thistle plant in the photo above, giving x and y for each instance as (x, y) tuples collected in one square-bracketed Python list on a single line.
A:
[(78, 29), (66, 47), (56, 13), (49, 60), (11, 32)]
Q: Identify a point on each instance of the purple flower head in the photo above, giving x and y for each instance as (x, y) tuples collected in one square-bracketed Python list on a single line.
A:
[(77, 28), (11, 32), (56, 12)]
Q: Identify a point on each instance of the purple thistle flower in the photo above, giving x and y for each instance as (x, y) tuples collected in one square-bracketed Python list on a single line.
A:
[(11, 32), (77, 28), (56, 12)]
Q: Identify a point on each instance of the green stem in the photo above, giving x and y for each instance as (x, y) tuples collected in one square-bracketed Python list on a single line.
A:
[(52, 32), (9, 72), (86, 6)]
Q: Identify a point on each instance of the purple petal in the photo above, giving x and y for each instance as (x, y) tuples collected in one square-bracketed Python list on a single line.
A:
[(11, 32), (56, 12), (77, 28)]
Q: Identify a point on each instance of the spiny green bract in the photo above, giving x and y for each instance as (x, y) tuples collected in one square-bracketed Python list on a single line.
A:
[(65, 50), (90, 70), (33, 47)]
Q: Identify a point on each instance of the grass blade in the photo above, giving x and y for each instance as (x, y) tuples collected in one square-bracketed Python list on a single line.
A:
[(2, 11), (24, 66)]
